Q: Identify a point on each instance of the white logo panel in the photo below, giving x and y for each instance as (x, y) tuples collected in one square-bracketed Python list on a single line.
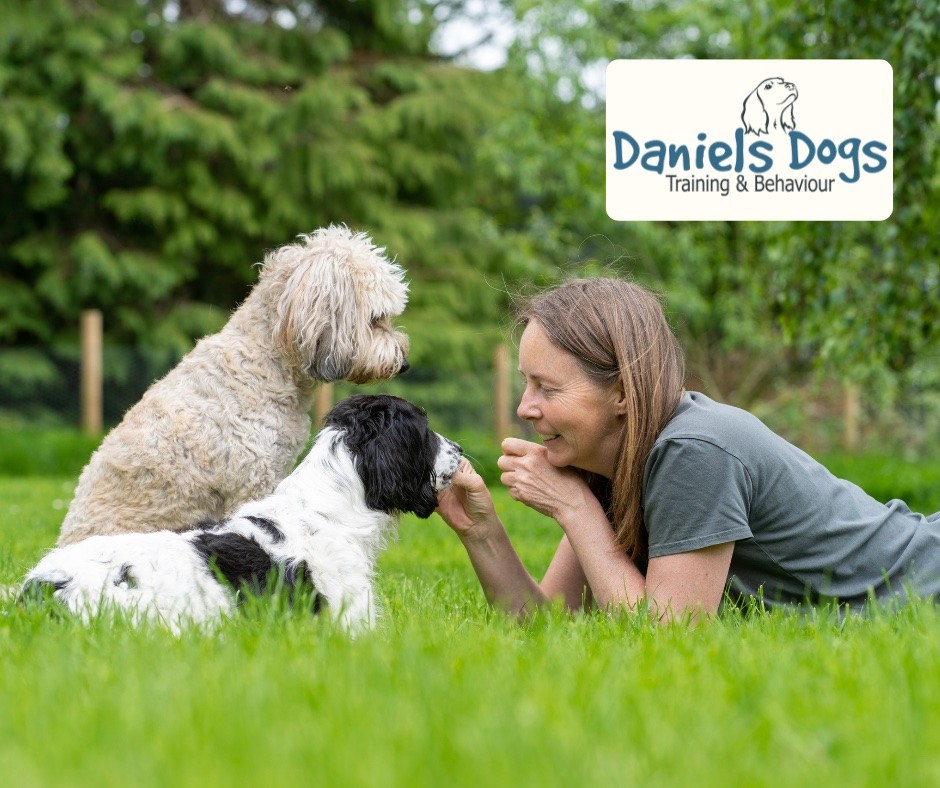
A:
[(749, 140)]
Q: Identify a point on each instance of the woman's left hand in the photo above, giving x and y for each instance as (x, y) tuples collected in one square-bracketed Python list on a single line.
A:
[(534, 481)]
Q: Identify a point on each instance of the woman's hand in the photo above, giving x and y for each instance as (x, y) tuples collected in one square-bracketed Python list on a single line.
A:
[(467, 506), (534, 481)]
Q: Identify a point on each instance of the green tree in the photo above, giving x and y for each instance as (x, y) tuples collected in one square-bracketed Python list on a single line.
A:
[(753, 301), (150, 152)]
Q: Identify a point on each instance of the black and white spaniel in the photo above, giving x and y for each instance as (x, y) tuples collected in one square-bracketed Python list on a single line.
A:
[(375, 458)]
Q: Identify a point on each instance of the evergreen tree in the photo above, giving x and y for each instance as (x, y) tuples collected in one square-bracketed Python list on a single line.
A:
[(151, 151)]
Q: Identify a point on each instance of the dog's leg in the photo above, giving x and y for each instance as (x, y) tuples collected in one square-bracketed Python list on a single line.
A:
[(357, 610), (347, 590)]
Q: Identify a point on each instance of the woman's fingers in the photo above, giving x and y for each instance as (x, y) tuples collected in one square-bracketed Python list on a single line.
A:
[(517, 447)]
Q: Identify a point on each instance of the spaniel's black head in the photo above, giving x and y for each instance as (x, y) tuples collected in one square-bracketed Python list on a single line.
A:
[(402, 462)]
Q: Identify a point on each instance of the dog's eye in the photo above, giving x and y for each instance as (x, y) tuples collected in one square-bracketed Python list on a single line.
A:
[(768, 86)]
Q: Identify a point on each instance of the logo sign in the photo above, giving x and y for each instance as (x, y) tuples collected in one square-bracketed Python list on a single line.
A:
[(749, 140)]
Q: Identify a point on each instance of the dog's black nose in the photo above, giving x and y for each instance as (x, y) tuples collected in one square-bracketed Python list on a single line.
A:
[(405, 366)]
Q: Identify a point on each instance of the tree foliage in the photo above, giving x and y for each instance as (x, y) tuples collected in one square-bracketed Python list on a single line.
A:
[(858, 300), (151, 152)]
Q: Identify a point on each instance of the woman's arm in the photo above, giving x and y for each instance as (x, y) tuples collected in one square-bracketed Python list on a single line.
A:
[(566, 579), (506, 583), (693, 581), (467, 507), (588, 563)]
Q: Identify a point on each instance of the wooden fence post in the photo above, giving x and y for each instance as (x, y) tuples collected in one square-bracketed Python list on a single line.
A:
[(90, 394), (322, 403), (851, 408), (501, 394)]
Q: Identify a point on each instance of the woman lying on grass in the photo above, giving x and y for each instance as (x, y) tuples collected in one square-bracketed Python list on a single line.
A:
[(664, 496)]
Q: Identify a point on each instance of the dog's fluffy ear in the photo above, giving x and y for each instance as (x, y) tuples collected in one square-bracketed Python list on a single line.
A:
[(331, 288), (314, 287), (393, 448), (397, 469), (754, 116)]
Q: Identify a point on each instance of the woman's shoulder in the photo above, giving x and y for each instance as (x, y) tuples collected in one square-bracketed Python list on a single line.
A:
[(701, 418)]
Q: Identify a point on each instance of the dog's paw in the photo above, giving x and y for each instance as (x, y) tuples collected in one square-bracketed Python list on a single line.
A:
[(356, 612)]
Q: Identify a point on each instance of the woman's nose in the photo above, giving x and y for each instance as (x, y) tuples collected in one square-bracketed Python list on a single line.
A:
[(527, 409)]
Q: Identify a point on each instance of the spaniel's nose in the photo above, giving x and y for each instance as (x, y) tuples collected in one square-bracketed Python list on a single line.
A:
[(405, 366)]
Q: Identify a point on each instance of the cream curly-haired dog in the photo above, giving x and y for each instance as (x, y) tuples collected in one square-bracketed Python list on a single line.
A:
[(226, 425)]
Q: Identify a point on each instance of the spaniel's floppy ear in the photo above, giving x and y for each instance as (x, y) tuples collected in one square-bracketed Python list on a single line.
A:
[(394, 449), (397, 467), (754, 116), (787, 121)]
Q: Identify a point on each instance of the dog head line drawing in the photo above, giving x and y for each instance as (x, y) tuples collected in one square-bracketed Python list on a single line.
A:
[(769, 107), (229, 421), (321, 529)]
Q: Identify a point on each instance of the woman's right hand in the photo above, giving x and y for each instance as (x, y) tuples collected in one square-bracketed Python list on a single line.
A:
[(467, 506)]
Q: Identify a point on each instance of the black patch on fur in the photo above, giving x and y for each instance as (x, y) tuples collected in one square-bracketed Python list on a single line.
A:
[(36, 591), (244, 565), (394, 450), (269, 527), (297, 578), (126, 576), (241, 561), (40, 595)]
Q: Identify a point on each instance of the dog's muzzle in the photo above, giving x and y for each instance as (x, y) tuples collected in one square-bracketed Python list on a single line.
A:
[(405, 366)]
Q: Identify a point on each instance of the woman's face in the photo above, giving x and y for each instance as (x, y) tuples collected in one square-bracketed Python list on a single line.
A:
[(580, 421)]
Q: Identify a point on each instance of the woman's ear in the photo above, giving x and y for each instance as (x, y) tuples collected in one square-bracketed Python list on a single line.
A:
[(620, 400)]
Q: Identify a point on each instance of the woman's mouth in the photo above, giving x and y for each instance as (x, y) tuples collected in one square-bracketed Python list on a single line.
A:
[(548, 438)]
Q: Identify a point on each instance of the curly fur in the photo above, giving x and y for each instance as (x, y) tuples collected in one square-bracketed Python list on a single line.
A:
[(227, 424), (324, 525)]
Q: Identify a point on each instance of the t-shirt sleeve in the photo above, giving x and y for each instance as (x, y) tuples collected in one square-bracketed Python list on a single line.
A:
[(695, 495)]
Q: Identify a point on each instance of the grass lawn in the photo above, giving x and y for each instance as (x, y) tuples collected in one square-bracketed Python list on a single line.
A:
[(449, 693)]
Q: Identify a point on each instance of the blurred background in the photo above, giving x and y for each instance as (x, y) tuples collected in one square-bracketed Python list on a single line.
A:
[(151, 151)]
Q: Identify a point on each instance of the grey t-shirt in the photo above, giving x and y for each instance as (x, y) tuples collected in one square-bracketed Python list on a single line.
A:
[(717, 474)]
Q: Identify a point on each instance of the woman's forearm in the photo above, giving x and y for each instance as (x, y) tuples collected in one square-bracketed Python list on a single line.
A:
[(505, 581), (613, 577)]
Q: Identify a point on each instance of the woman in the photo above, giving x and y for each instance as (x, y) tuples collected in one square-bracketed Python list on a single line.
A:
[(664, 495)]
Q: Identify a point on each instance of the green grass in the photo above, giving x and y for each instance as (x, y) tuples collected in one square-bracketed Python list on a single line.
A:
[(449, 693), (885, 477), (35, 451)]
